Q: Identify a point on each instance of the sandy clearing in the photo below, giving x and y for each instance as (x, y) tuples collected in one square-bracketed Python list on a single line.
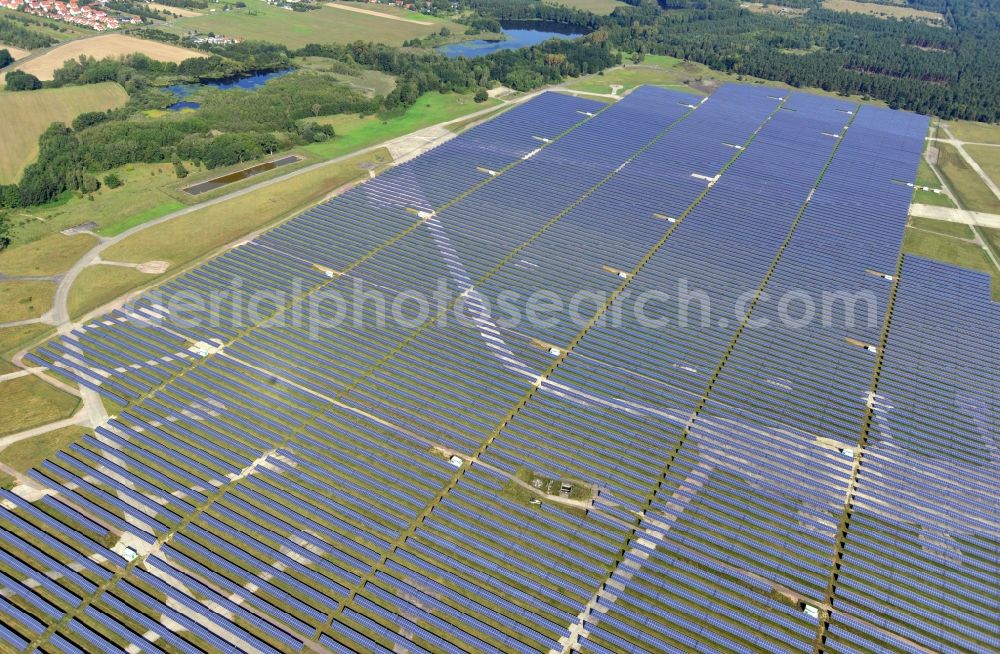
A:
[(380, 14), (17, 53), (183, 13), (105, 45)]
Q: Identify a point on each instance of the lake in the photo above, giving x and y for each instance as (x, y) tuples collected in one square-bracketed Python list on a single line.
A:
[(519, 33), (248, 82)]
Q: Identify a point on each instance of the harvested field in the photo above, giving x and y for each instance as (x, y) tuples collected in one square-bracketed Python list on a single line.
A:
[(380, 14), (29, 113), (17, 53), (167, 9), (105, 45), (883, 11)]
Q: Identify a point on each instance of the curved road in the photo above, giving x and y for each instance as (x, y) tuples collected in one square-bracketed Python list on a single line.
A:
[(58, 315)]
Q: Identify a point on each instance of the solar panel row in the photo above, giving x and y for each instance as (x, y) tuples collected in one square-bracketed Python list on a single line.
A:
[(299, 488), (759, 481), (920, 562), (206, 428)]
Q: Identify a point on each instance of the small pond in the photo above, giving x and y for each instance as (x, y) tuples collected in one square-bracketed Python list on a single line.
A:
[(519, 33), (248, 82), (218, 182)]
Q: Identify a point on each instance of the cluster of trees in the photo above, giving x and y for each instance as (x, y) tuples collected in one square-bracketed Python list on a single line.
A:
[(523, 69), (18, 80), (19, 36), (282, 102), (478, 24), (6, 58)]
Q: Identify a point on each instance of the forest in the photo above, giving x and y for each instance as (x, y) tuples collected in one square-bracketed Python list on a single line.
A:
[(950, 71)]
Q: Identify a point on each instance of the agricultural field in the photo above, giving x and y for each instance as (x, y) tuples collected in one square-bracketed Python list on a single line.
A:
[(27, 402), (179, 12), (593, 6), (105, 45), (964, 182), (295, 29), (883, 10), (387, 12), (354, 132), (26, 114)]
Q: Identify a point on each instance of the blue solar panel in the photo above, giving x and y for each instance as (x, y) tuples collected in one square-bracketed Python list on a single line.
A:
[(307, 479)]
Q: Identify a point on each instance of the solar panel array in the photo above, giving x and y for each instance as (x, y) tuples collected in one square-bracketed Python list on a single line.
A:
[(285, 489), (921, 557)]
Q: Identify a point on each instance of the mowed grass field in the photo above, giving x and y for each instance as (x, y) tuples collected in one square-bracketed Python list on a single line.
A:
[(22, 300), (48, 256), (656, 70), (27, 402), (14, 339), (263, 22), (965, 182), (971, 132), (26, 454), (176, 11), (26, 114), (926, 177), (354, 132), (99, 47), (988, 158)]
